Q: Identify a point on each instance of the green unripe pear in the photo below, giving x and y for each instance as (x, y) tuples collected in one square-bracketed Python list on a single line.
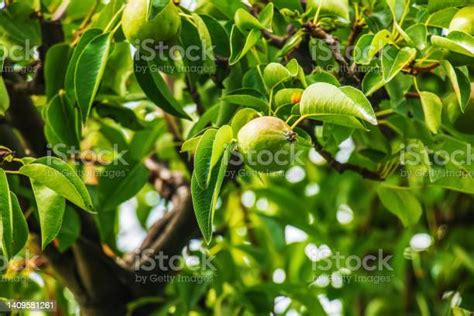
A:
[(463, 21), (138, 26), (267, 144)]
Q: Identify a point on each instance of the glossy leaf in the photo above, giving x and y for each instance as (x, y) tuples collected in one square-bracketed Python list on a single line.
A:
[(222, 140), (458, 42), (241, 45), (154, 86), (89, 71), (61, 119), (86, 38), (339, 8), (392, 64), (402, 203), (202, 159), (55, 68), (205, 199), (460, 84), (70, 229), (51, 208), (13, 227), (4, 98), (60, 177), (323, 98), (131, 178), (432, 107)]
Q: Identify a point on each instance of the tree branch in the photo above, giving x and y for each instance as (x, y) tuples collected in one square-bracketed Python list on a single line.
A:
[(338, 166)]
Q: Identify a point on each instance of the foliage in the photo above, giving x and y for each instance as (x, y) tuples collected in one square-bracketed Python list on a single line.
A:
[(108, 108)]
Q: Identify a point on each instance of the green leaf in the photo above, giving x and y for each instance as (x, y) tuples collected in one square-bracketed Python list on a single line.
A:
[(398, 8), (191, 144), (246, 21), (55, 68), (339, 8), (373, 81), (442, 18), (86, 38), (70, 229), (222, 140), (417, 35), (241, 118), (342, 120), (194, 34), (202, 158), (287, 96), (391, 65), (89, 71), (246, 100), (51, 208), (120, 114), (209, 65), (143, 142), (118, 183), (60, 177), (205, 199), (361, 102), (402, 203), (4, 97), (61, 119), (240, 46), (209, 116), (266, 16), (458, 42), (19, 228), (275, 73), (219, 36), (379, 41), (154, 86), (361, 50), (435, 5), (460, 84), (432, 107), (323, 98), (13, 227)]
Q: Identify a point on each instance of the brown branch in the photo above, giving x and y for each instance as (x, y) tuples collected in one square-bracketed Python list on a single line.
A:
[(170, 234), (338, 166), (415, 70), (356, 29), (279, 41), (317, 32)]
